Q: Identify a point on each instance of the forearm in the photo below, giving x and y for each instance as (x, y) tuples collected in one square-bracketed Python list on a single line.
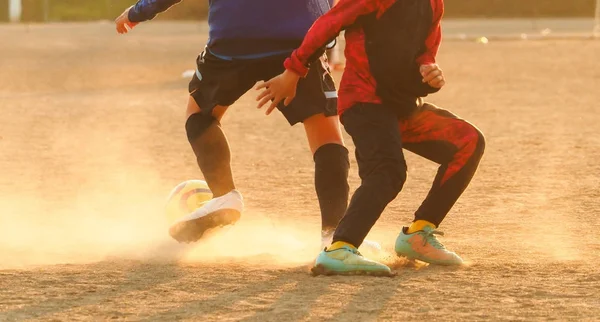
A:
[(148, 9)]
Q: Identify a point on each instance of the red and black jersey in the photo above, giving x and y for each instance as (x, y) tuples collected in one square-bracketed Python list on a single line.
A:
[(386, 42)]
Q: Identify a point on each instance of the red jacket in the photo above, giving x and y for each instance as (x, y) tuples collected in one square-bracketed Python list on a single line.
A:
[(358, 83)]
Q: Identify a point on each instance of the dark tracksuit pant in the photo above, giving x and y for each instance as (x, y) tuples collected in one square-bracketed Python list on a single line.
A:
[(379, 137)]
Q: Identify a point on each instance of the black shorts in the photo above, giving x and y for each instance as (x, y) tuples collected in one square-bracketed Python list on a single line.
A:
[(222, 82)]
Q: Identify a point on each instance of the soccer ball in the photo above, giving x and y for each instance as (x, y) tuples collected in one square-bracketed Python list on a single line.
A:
[(187, 197)]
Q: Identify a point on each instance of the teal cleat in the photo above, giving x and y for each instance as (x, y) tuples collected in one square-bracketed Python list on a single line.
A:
[(424, 246), (348, 261), (368, 246)]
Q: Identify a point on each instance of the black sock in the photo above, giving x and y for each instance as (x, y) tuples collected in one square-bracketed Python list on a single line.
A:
[(212, 153), (331, 183)]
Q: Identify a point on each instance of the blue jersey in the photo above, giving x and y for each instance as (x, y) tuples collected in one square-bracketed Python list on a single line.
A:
[(248, 28)]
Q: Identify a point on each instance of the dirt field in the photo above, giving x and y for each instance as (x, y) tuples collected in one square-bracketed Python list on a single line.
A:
[(92, 140)]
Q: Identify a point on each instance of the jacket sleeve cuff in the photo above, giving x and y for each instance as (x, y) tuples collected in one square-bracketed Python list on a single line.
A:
[(426, 59), (295, 65)]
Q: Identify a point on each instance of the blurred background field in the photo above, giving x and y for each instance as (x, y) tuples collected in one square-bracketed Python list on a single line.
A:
[(82, 10), (464, 19)]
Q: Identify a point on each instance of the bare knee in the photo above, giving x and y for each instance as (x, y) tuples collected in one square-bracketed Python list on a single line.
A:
[(322, 130)]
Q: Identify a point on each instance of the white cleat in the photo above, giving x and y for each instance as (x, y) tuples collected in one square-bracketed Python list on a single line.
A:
[(370, 246), (218, 212)]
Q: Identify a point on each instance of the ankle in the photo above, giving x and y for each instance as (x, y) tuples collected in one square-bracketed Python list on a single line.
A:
[(224, 192), (339, 244), (418, 225)]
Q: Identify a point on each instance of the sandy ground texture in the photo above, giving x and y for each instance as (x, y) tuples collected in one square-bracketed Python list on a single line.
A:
[(92, 140)]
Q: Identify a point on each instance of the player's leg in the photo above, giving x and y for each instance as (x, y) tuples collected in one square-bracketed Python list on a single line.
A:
[(382, 170), (216, 85), (457, 146), (209, 143), (326, 143), (331, 168), (315, 106)]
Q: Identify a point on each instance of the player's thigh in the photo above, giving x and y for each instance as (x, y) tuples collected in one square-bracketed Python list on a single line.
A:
[(217, 84), (377, 139), (437, 134), (217, 111), (315, 105)]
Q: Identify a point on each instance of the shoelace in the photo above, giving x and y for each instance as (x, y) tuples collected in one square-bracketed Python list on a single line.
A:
[(429, 237), (354, 251)]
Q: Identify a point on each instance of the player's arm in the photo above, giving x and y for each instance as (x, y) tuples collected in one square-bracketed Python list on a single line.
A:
[(148, 9), (430, 71), (322, 32), (326, 28), (143, 10)]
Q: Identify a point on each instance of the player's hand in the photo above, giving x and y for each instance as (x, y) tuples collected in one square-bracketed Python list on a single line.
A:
[(123, 23), (433, 75), (278, 88)]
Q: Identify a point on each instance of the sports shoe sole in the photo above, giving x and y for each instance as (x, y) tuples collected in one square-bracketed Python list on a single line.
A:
[(192, 230), (424, 260), (321, 270)]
